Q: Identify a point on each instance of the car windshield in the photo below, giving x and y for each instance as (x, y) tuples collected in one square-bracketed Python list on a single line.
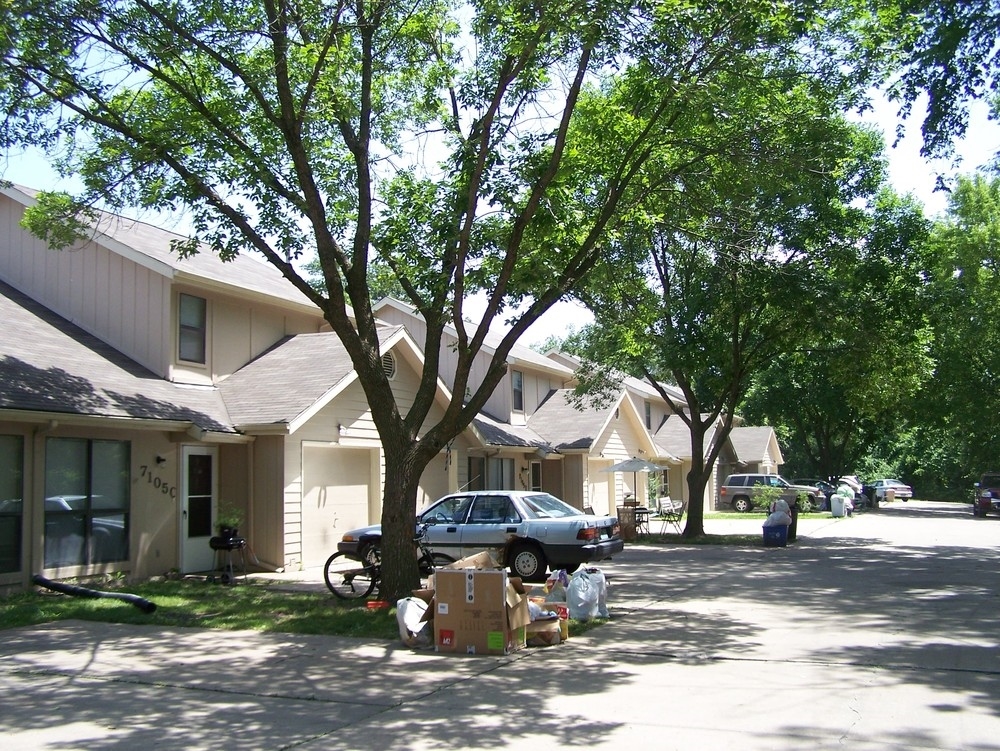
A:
[(545, 506), (991, 481)]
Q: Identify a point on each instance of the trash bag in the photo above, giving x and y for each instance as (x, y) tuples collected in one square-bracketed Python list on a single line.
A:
[(414, 631), (778, 518), (602, 591), (583, 595)]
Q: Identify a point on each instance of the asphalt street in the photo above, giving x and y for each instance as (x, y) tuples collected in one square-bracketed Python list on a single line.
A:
[(877, 631)]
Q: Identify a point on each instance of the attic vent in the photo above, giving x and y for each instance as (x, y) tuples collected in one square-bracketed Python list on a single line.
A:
[(389, 365)]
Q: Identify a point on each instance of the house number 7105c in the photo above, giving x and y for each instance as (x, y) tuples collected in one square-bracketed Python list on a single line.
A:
[(157, 482)]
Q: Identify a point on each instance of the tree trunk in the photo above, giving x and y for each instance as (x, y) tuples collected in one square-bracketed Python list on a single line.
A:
[(403, 467)]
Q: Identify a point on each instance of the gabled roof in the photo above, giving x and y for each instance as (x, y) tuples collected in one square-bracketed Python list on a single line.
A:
[(644, 388), (564, 426), (150, 247), (674, 437), (49, 365), (299, 375), (519, 354), (753, 444)]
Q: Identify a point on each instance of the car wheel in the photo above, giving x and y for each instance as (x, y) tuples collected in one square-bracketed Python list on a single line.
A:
[(742, 504), (526, 561)]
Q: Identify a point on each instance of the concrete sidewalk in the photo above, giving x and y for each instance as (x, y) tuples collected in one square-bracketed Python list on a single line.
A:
[(878, 631)]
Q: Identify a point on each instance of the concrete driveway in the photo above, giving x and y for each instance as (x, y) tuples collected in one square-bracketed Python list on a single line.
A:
[(873, 632)]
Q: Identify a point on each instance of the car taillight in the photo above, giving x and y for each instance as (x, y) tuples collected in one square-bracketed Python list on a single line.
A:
[(722, 491), (588, 533)]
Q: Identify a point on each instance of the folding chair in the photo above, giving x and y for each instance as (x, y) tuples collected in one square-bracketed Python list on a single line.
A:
[(670, 514)]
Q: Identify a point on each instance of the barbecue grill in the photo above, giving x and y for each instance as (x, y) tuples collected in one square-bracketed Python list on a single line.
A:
[(225, 547)]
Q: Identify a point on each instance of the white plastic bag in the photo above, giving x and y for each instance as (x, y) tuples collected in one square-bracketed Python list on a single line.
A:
[(413, 630), (778, 518), (582, 596), (601, 581)]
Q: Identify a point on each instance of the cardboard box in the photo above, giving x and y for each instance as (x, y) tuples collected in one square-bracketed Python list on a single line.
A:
[(479, 611), (483, 560), (543, 633)]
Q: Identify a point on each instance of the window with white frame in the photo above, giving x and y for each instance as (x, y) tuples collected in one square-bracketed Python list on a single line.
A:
[(649, 415), (517, 389), (193, 319)]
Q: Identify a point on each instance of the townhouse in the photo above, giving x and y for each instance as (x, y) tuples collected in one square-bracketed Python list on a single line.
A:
[(142, 392)]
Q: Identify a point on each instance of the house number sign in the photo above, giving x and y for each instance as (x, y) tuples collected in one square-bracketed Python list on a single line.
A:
[(158, 483)]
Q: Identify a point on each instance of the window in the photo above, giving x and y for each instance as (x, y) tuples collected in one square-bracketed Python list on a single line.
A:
[(536, 476), (649, 416), (493, 509), (517, 386), (450, 511), (86, 501), (193, 324), (11, 503), (490, 474)]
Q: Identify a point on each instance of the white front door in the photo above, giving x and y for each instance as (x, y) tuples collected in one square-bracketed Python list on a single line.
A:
[(197, 498)]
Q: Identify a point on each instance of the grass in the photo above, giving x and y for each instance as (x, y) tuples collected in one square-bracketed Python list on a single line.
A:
[(194, 603)]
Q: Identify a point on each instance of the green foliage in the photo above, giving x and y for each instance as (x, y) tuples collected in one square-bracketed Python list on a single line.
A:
[(451, 149), (59, 220), (946, 51), (855, 380)]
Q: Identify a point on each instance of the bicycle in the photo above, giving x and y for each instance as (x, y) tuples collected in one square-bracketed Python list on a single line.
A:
[(351, 577)]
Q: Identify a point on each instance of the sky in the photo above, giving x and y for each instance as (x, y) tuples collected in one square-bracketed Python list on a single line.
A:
[(908, 173)]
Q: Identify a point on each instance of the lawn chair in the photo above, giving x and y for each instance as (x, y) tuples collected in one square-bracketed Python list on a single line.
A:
[(670, 513)]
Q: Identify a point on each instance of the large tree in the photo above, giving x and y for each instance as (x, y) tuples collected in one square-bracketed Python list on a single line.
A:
[(944, 50), (481, 147), (716, 278), (957, 434), (854, 383)]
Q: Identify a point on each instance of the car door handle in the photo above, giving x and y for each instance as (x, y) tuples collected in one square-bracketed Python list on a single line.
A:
[(452, 529), (511, 530)]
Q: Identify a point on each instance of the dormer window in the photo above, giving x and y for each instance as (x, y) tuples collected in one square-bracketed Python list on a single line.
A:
[(517, 389), (193, 319)]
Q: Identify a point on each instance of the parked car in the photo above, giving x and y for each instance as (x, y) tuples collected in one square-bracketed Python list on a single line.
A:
[(987, 497), (741, 491), (825, 487), (529, 532), (901, 491)]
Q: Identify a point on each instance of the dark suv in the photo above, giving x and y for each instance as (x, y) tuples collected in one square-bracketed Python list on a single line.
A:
[(987, 496), (739, 492)]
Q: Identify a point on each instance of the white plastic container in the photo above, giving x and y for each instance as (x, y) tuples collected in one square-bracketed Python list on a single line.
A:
[(837, 505)]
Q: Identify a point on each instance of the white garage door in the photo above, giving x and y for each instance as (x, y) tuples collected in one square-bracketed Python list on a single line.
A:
[(335, 498)]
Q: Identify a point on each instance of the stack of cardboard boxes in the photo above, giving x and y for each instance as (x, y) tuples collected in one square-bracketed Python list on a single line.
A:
[(478, 609)]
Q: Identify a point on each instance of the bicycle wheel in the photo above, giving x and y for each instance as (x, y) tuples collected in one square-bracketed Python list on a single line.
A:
[(349, 579)]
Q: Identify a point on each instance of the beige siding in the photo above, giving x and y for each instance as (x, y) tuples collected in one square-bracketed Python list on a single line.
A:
[(112, 298), (265, 524), (238, 331)]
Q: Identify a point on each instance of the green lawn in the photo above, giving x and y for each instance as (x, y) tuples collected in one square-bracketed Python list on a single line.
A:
[(253, 605), (192, 602)]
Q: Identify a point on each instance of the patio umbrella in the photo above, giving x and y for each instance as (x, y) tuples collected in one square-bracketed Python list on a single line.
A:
[(635, 466)]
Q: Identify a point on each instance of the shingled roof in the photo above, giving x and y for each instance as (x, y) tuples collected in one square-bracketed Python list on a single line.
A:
[(48, 364), (289, 379), (563, 425)]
